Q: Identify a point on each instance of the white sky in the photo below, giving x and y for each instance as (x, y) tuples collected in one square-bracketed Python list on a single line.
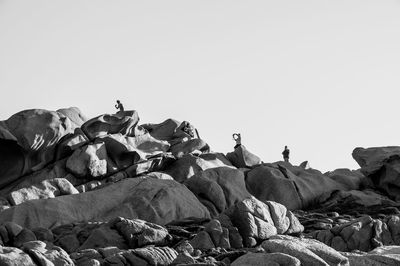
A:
[(322, 77)]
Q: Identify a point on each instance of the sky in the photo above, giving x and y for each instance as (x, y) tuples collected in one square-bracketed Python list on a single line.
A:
[(322, 77)]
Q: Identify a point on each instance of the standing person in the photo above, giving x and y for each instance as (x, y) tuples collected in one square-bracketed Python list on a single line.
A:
[(119, 106), (285, 154)]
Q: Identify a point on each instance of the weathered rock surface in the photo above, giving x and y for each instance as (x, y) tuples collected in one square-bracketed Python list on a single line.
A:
[(188, 165), (382, 165), (218, 188), (122, 122), (242, 158), (308, 251), (258, 221), (292, 186), (153, 200), (266, 259), (50, 188), (28, 141)]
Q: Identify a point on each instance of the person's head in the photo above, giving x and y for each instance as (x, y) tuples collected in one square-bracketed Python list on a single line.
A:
[(118, 101), (285, 147)]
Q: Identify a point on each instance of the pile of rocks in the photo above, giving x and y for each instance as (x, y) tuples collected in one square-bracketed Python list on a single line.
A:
[(109, 191)]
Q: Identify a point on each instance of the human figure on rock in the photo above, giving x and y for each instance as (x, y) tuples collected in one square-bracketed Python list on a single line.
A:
[(285, 154), (238, 138), (119, 106)]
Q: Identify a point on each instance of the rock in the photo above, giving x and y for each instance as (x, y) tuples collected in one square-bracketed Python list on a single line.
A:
[(157, 255), (28, 141), (46, 189), (153, 200), (218, 234), (188, 165), (328, 254), (88, 161), (382, 165), (388, 255), (139, 233), (69, 143), (25, 235), (202, 241), (218, 188), (10, 256), (170, 130), (191, 146), (123, 122), (103, 237), (74, 114), (292, 186), (266, 259), (351, 179), (47, 253), (259, 221), (124, 151), (43, 234), (242, 158)]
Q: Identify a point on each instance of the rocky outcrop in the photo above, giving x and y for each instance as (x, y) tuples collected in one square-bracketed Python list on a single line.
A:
[(242, 158), (381, 164), (218, 188), (28, 141), (258, 221), (293, 186), (153, 200)]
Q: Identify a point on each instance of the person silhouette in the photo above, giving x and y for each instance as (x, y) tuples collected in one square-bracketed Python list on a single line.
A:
[(238, 139), (119, 106), (285, 154)]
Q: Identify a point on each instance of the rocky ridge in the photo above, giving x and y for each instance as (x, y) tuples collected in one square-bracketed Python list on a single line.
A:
[(111, 191)]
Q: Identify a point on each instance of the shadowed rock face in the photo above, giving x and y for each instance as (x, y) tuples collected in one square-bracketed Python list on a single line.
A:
[(382, 165), (36, 133)]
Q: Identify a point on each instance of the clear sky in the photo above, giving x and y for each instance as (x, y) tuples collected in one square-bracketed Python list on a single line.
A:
[(322, 77)]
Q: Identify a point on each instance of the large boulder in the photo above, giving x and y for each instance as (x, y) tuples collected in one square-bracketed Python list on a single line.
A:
[(258, 220), (266, 259), (308, 251), (10, 256), (218, 188), (28, 141), (188, 165), (122, 122), (292, 186), (382, 165), (153, 200), (171, 130), (242, 158), (74, 114)]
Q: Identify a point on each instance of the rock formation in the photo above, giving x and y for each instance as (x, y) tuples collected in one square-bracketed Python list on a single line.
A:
[(110, 191)]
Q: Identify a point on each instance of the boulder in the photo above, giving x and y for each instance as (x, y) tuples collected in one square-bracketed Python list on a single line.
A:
[(153, 200), (122, 122), (46, 189), (47, 253), (28, 141), (69, 143), (89, 161), (191, 146), (189, 164), (138, 233), (266, 259), (218, 188), (351, 179), (258, 221), (124, 151), (382, 165), (242, 158), (171, 130), (74, 114), (10, 256), (387, 255), (292, 186), (309, 252)]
